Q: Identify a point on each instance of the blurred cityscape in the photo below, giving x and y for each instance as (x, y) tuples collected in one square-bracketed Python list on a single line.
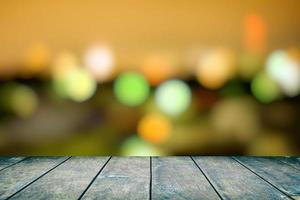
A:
[(150, 78)]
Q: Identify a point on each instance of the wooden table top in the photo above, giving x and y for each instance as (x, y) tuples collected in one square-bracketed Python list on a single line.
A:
[(181, 177)]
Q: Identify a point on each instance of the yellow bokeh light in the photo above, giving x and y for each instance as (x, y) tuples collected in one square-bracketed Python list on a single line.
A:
[(154, 128), (80, 85), (215, 68), (63, 63)]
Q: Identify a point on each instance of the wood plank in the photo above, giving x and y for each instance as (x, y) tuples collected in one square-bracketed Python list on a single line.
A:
[(122, 178), (8, 161), (179, 178), (18, 176), (282, 176), (233, 181), (292, 161), (67, 181)]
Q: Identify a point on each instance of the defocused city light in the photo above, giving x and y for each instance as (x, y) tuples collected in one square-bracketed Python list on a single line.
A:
[(157, 68), (264, 88), (80, 85), (99, 60), (173, 97), (37, 59), (215, 67), (235, 119), (134, 146), (249, 64), (154, 128), (131, 88), (285, 70), (21, 100), (255, 33)]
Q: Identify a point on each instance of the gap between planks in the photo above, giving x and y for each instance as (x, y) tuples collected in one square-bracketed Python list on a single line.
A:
[(245, 166), (38, 177)]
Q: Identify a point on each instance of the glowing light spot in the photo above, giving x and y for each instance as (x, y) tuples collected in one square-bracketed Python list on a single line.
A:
[(235, 119), (255, 31), (154, 128), (173, 97), (63, 64), (23, 101), (137, 147), (264, 88), (249, 65), (157, 68), (37, 58), (215, 68), (285, 70), (270, 143), (131, 89), (99, 60), (80, 85)]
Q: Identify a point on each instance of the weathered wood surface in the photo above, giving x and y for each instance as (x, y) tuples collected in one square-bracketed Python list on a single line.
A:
[(233, 181), (292, 161), (179, 178), (9, 161), (277, 173), (149, 178), (67, 181), (18, 176), (122, 178)]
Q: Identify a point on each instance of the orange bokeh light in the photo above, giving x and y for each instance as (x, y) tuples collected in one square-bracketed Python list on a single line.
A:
[(154, 128), (157, 68), (255, 33)]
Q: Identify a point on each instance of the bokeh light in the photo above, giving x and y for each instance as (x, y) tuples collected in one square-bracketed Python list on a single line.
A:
[(154, 128), (285, 70), (173, 97), (99, 60), (134, 146), (235, 119), (62, 65), (249, 64), (80, 85), (271, 143), (131, 88), (264, 88), (157, 68), (21, 99), (255, 33), (37, 59), (215, 67)]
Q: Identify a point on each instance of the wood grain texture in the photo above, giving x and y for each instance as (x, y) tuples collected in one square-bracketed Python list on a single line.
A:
[(16, 177), (292, 161), (233, 181), (67, 181), (7, 161), (282, 176), (122, 178), (150, 178), (179, 178)]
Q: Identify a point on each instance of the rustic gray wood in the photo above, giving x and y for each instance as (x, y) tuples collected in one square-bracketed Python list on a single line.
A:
[(282, 176), (122, 178), (16, 177), (67, 181), (292, 161), (8, 161), (233, 181), (179, 178), (149, 178)]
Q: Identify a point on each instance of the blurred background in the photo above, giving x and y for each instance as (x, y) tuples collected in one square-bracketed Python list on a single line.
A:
[(172, 77)]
